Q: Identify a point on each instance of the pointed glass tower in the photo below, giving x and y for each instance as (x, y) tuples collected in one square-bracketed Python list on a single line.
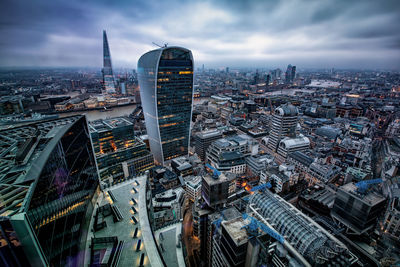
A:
[(108, 76)]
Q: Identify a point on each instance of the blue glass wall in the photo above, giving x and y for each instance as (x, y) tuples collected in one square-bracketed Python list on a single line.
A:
[(166, 88)]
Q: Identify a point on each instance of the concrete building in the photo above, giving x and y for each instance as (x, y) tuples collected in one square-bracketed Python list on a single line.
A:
[(216, 189), (258, 163), (203, 140), (193, 188), (358, 212), (283, 124), (228, 154), (168, 207), (289, 145), (181, 166)]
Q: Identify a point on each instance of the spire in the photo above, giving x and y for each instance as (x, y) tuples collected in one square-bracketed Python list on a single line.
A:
[(108, 77)]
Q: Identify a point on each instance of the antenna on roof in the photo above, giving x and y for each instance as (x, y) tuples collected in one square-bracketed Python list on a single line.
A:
[(156, 44), (165, 45)]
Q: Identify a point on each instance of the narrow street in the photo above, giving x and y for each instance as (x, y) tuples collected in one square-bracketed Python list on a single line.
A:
[(190, 243)]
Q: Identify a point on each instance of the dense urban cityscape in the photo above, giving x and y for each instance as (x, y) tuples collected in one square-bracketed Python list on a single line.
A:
[(176, 163)]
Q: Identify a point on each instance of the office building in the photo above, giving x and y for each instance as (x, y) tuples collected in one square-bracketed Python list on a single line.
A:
[(203, 140), (304, 239), (238, 143), (217, 189), (290, 74), (290, 145), (108, 75), (48, 180), (168, 207), (358, 212), (258, 163), (119, 154), (283, 124), (193, 188), (391, 221), (166, 90), (231, 248), (181, 166)]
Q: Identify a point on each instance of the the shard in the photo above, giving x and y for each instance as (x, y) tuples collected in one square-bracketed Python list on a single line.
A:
[(108, 76)]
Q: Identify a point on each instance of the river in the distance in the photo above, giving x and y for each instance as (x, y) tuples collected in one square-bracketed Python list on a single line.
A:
[(93, 115)]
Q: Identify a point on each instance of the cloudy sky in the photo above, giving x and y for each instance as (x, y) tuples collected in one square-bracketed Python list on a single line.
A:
[(259, 33)]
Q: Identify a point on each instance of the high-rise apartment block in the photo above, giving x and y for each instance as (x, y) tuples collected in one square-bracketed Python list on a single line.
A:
[(166, 89)]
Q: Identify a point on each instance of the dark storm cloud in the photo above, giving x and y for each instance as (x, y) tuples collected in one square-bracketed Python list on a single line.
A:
[(313, 33)]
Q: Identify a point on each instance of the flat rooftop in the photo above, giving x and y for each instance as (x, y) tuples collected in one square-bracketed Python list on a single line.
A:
[(236, 231), (109, 124), (224, 177), (124, 230), (371, 198)]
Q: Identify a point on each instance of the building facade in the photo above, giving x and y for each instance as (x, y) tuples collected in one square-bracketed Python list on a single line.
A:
[(108, 75), (48, 182), (117, 150), (203, 140), (166, 89), (283, 124)]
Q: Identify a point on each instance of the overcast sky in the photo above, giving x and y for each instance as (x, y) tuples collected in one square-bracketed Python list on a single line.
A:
[(264, 33)]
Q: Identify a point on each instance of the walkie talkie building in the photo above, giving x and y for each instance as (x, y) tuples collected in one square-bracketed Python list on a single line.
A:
[(166, 89)]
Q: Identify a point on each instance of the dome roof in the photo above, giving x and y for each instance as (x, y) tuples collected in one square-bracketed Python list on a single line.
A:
[(287, 110)]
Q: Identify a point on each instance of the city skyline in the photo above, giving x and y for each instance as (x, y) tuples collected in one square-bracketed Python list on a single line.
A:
[(308, 34)]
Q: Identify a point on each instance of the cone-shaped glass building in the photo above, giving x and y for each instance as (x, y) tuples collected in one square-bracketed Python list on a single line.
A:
[(108, 76), (166, 90)]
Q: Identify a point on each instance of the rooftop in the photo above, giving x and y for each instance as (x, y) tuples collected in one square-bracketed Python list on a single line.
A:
[(109, 124), (236, 231), (371, 198)]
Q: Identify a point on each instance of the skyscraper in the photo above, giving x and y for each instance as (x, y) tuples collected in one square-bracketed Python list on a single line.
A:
[(108, 76), (166, 89), (48, 180), (284, 122), (290, 73)]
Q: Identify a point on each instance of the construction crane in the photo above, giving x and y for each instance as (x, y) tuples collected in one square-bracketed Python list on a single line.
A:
[(218, 222), (261, 187), (363, 186), (216, 172), (270, 106), (255, 224)]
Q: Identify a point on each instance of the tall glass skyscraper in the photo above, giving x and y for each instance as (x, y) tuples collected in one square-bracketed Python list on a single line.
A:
[(166, 90), (47, 182), (108, 76)]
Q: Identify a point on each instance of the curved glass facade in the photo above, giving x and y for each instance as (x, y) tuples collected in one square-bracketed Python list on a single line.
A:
[(166, 89), (306, 237), (63, 193)]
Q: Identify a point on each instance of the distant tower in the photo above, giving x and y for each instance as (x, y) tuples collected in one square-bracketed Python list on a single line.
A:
[(284, 122), (166, 89), (288, 74), (293, 74), (108, 76)]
